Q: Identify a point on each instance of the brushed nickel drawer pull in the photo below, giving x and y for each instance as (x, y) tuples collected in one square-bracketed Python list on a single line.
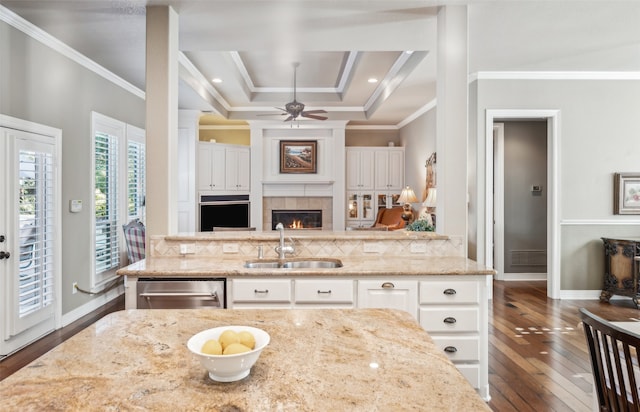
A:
[(388, 285), (449, 292), (260, 291), (325, 292), (450, 320), (451, 349)]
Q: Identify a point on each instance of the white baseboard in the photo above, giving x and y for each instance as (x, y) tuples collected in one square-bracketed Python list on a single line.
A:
[(524, 276), (92, 305)]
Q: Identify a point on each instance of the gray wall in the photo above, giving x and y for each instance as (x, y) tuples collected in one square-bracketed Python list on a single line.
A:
[(598, 135), (42, 86), (419, 140), (525, 211)]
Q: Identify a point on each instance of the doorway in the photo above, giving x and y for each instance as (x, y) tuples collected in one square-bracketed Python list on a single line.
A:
[(30, 267), (520, 199), (552, 184)]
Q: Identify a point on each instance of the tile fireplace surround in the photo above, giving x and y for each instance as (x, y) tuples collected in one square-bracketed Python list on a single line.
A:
[(298, 203)]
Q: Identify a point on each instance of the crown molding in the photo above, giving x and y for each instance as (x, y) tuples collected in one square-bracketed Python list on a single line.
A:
[(48, 40), (554, 75)]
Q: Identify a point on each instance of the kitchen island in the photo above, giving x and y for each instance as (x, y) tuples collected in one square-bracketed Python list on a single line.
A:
[(334, 359), (422, 273)]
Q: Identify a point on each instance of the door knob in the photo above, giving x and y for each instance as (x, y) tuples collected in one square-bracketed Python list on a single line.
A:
[(4, 255)]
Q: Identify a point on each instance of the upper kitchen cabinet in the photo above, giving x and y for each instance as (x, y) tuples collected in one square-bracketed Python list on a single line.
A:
[(360, 169), (223, 168), (389, 168)]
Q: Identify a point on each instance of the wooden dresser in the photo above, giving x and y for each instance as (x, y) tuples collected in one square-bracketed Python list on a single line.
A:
[(620, 268)]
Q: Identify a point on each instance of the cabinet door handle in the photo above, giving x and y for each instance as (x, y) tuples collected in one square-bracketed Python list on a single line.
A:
[(2, 238), (450, 320), (4, 255), (449, 292), (388, 285), (324, 292), (261, 291), (451, 349)]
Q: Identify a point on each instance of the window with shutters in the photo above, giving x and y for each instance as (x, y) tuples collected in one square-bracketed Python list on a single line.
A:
[(119, 184)]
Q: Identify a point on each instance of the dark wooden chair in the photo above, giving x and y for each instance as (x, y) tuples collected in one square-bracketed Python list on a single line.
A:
[(614, 363)]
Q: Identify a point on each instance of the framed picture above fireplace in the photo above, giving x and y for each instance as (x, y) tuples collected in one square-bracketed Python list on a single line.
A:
[(298, 156)]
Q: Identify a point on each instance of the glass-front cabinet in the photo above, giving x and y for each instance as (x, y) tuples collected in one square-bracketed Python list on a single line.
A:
[(387, 199), (361, 210)]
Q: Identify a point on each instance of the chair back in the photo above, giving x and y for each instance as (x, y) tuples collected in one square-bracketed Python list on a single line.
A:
[(134, 236), (614, 363)]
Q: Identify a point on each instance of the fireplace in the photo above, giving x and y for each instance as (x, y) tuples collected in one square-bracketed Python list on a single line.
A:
[(297, 219)]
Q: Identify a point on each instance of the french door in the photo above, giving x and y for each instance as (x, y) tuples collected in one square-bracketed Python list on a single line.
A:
[(29, 237)]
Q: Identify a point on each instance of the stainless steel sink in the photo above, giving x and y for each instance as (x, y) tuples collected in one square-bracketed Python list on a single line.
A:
[(262, 264), (293, 264), (297, 264)]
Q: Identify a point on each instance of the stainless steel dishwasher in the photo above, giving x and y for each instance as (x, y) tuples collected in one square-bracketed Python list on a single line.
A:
[(181, 293)]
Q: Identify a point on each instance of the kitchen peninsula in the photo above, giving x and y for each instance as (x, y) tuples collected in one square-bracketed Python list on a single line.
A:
[(422, 273), (342, 360)]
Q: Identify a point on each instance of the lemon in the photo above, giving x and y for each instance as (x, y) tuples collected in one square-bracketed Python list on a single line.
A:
[(212, 347), (247, 339), (227, 338), (235, 348)]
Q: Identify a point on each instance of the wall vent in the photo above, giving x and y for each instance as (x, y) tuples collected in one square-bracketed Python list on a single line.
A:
[(528, 257)]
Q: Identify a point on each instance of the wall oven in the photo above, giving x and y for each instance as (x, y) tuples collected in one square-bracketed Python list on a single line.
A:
[(224, 211), (181, 293)]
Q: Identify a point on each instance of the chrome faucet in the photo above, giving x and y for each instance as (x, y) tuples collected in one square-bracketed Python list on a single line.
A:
[(282, 250)]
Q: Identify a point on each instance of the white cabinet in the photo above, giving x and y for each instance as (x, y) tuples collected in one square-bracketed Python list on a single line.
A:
[(324, 293), (361, 210), (360, 171), (392, 293), (454, 311), (211, 165), (223, 168), (389, 169), (238, 168), (259, 293)]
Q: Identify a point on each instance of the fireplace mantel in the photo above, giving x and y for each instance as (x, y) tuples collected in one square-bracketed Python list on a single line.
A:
[(297, 188)]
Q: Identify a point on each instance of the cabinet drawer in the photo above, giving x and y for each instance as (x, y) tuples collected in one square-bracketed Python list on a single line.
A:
[(450, 319), (267, 290), (472, 373), (317, 291), (458, 292), (459, 349)]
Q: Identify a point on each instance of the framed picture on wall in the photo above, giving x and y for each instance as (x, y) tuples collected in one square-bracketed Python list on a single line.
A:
[(626, 193), (298, 156)]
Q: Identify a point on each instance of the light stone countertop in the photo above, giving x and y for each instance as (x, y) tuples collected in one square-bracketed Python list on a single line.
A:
[(318, 360), (378, 265)]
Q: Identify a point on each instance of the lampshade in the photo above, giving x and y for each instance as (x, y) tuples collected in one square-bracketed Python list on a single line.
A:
[(430, 201), (407, 196)]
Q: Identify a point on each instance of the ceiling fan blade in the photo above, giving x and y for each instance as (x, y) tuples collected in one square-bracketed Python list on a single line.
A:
[(271, 114), (288, 118), (314, 111), (279, 108), (313, 116)]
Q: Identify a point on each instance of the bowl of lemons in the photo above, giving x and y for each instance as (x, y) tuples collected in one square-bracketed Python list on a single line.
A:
[(228, 352)]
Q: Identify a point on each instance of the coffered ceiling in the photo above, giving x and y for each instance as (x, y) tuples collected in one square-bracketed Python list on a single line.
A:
[(251, 45)]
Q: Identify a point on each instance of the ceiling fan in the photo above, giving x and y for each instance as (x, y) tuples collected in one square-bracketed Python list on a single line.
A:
[(295, 108)]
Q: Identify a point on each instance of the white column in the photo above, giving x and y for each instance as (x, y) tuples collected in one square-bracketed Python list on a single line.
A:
[(162, 121), (452, 122)]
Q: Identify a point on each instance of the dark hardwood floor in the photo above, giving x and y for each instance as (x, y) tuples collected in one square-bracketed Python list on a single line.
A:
[(538, 359)]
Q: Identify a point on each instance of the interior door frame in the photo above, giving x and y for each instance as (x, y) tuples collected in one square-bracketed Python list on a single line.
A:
[(553, 184), (498, 200)]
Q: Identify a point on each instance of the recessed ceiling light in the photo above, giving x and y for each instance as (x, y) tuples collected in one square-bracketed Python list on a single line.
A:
[(217, 80), (372, 80)]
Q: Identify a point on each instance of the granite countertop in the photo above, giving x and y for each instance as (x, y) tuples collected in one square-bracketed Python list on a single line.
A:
[(378, 265), (317, 360)]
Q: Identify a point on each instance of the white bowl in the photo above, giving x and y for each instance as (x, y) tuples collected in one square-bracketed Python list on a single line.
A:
[(228, 368)]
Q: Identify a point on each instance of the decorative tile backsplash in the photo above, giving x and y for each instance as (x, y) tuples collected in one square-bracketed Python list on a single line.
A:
[(321, 246)]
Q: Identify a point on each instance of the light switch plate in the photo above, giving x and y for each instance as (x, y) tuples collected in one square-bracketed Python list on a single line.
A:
[(75, 206), (418, 247), (371, 247)]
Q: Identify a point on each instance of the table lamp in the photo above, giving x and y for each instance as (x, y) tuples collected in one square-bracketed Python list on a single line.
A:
[(407, 196)]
